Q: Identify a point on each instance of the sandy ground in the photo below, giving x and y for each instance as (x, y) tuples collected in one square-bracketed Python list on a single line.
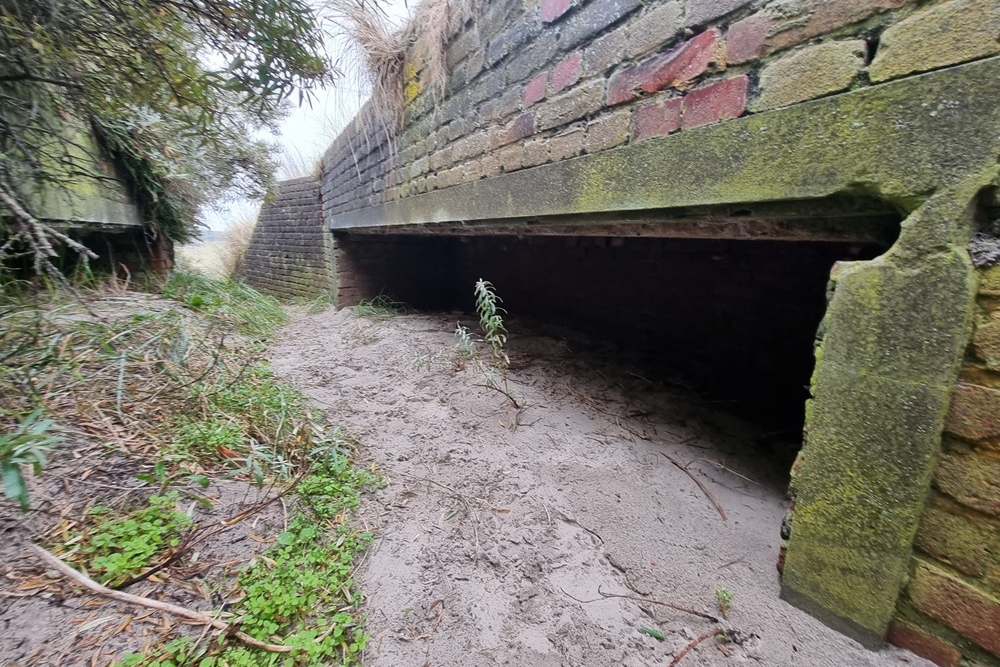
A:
[(499, 530)]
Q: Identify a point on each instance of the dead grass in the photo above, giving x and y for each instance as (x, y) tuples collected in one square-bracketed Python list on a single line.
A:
[(235, 246), (392, 59)]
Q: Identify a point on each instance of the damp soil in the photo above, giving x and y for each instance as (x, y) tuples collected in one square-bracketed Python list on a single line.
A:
[(502, 533)]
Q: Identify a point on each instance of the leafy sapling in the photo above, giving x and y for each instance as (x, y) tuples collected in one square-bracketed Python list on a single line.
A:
[(725, 599)]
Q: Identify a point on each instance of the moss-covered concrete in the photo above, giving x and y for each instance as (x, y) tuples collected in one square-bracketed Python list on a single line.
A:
[(893, 339)]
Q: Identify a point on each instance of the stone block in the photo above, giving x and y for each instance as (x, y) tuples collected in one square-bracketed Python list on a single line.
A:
[(971, 477), (655, 120), (974, 413), (535, 153), (657, 27), (553, 9), (530, 59), (582, 101), (952, 535), (989, 281), (605, 52), (700, 12), (594, 18), (566, 72), (812, 72), (795, 22), (938, 36), (510, 157), (948, 600), (522, 32), (535, 90), (608, 131), (986, 342), (677, 68), (747, 38), (566, 145), (723, 100)]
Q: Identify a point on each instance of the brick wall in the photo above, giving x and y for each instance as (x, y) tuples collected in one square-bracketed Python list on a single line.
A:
[(541, 81), (950, 609), (289, 254)]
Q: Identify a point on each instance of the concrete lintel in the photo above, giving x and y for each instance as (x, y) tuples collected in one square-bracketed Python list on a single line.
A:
[(898, 141)]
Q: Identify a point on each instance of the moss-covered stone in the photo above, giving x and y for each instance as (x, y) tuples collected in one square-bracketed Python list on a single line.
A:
[(957, 537), (891, 350), (810, 73), (974, 413), (915, 44)]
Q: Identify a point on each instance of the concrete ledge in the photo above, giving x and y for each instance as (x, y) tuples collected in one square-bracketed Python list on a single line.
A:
[(899, 141)]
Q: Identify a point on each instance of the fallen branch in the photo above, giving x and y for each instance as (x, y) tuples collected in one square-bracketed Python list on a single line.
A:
[(701, 485), (702, 637), (197, 617), (605, 596)]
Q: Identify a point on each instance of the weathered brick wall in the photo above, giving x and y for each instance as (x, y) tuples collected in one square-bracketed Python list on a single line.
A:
[(950, 610), (536, 81), (289, 255)]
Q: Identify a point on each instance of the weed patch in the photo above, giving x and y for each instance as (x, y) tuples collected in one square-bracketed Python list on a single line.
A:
[(382, 307)]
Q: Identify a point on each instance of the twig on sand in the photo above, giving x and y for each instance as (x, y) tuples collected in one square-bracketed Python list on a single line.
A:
[(605, 596), (190, 615), (701, 485), (456, 494), (702, 637)]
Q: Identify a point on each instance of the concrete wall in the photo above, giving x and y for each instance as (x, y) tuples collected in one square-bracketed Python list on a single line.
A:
[(289, 254)]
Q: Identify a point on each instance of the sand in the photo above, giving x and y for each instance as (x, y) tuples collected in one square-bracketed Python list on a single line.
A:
[(499, 529)]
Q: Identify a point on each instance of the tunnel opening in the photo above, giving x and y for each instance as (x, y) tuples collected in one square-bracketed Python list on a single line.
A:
[(733, 319)]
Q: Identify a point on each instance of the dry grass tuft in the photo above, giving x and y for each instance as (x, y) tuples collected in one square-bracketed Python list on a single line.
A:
[(389, 58), (235, 246)]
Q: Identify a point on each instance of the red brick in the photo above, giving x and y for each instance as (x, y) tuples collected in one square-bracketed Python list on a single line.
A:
[(566, 73), (677, 68), (747, 38), (553, 9), (954, 603), (655, 120), (923, 644), (535, 90), (974, 413), (719, 101)]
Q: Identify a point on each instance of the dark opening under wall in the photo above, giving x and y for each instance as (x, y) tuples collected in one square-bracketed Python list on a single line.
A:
[(735, 320)]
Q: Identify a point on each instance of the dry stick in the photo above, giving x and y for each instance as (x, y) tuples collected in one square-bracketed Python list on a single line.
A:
[(700, 639), (701, 485), (190, 615), (675, 607)]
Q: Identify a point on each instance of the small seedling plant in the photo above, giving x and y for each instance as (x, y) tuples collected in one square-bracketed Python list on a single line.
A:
[(725, 600), (495, 335)]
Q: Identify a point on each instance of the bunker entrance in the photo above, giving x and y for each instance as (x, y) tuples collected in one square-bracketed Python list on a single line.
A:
[(735, 320)]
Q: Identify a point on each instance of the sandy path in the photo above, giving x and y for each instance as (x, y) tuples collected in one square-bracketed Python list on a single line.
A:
[(486, 532)]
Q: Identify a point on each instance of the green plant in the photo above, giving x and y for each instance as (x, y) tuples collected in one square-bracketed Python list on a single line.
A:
[(253, 313), (725, 600), (495, 335), (28, 444), (118, 549), (382, 307)]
